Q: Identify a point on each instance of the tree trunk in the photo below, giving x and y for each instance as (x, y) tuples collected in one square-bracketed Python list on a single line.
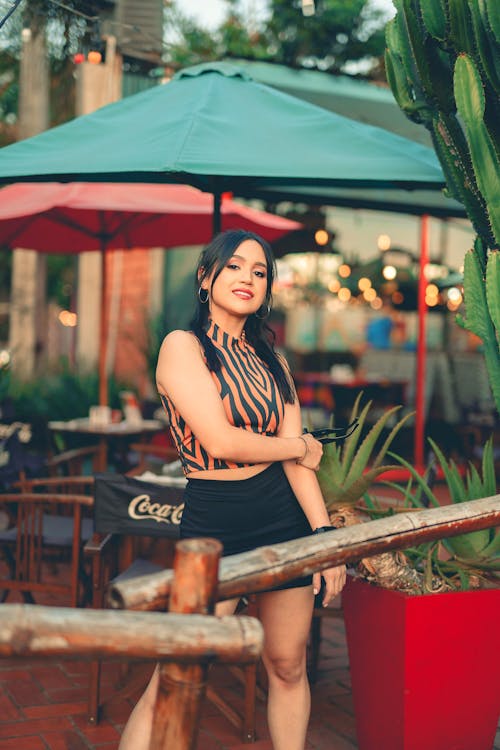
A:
[(28, 324)]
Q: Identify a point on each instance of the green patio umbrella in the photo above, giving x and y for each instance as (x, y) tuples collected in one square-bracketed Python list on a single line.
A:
[(215, 128)]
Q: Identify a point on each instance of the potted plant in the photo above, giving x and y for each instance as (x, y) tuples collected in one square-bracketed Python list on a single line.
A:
[(423, 650), (348, 469)]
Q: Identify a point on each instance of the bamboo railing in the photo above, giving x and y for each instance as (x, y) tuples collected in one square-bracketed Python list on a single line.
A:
[(187, 638), (266, 567)]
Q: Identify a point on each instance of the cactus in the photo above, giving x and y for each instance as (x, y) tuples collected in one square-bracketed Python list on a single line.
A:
[(443, 66)]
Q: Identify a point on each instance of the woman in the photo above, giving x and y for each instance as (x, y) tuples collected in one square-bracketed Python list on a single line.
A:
[(236, 422)]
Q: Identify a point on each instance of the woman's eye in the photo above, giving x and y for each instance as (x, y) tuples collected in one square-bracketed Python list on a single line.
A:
[(233, 266), (260, 274)]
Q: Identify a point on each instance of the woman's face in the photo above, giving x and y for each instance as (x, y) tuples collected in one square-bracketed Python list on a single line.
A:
[(240, 288)]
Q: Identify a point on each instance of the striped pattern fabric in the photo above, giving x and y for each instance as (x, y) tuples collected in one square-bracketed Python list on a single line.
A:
[(249, 394)]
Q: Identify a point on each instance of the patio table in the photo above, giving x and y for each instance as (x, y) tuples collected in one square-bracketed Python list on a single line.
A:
[(124, 432)]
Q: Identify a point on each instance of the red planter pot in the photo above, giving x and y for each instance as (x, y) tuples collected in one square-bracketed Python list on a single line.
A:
[(425, 670)]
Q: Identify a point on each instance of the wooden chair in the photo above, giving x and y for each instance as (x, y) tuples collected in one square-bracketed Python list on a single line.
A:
[(71, 463), (113, 557), (48, 522)]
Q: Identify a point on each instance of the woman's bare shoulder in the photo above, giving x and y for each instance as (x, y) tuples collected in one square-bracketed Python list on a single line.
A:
[(178, 345), (179, 340)]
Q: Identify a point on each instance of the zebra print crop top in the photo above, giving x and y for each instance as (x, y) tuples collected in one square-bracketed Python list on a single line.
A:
[(249, 394)]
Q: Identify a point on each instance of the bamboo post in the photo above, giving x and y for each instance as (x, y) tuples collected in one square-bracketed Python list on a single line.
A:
[(181, 688)]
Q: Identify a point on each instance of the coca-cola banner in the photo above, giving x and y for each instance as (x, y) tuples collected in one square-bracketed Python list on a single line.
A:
[(125, 505)]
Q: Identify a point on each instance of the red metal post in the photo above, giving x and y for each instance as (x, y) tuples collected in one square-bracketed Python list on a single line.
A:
[(421, 347)]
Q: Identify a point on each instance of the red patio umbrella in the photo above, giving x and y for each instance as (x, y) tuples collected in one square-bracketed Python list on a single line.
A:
[(75, 217)]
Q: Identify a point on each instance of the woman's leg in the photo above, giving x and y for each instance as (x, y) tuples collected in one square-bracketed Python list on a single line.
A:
[(286, 618), (137, 732)]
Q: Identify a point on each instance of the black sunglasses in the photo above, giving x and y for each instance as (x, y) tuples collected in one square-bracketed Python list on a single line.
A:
[(332, 434)]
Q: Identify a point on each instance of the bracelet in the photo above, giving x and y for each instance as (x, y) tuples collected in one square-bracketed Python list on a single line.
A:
[(299, 460)]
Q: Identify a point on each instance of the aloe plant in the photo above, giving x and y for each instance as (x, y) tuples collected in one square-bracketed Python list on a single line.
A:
[(346, 472), (348, 469), (443, 66), (463, 560)]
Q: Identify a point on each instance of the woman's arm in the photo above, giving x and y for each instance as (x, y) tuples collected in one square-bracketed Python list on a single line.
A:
[(302, 480), (305, 486), (182, 375)]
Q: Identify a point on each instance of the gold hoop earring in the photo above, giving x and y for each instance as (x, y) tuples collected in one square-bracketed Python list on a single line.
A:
[(203, 300)]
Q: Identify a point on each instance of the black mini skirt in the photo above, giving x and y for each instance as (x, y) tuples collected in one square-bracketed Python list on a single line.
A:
[(245, 514)]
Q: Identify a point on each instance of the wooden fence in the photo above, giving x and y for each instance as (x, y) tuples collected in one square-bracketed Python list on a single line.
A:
[(188, 638)]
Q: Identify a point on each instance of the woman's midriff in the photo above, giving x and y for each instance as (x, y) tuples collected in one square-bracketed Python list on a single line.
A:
[(245, 472)]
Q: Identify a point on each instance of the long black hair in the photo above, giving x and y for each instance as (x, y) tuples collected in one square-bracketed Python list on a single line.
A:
[(213, 259)]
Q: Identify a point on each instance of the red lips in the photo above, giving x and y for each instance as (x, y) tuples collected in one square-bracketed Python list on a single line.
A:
[(243, 293)]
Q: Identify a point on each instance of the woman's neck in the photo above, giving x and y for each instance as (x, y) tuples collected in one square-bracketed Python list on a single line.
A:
[(231, 325)]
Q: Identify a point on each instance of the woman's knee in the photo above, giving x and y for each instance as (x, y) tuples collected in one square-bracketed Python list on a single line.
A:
[(287, 670)]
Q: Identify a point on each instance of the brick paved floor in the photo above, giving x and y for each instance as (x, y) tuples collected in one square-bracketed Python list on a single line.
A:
[(42, 706)]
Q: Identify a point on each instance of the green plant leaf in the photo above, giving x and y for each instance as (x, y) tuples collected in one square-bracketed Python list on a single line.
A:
[(388, 442), (470, 546), (362, 457), (418, 479), (349, 495), (455, 484), (493, 11), (493, 288), (410, 496), (488, 469), (351, 444), (493, 548), (474, 483)]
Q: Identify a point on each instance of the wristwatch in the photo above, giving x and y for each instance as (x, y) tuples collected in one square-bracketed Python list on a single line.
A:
[(322, 529)]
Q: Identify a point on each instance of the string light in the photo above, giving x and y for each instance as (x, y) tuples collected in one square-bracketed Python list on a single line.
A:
[(383, 242), (67, 318), (344, 271), (94, 57), (389, 273), (454, 295), (321, 237), (344, 294), (364, 283)]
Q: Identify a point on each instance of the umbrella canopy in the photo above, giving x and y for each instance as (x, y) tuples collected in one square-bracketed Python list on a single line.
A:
[(75, 217), (215, 128), (59, 218)]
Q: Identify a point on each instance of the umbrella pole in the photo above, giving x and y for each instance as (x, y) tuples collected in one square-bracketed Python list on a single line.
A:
[(216, 216), (421, 346), (103, 377)]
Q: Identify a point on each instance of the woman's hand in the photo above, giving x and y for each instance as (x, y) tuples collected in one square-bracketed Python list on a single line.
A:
[(334, 578), (313, 452)]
